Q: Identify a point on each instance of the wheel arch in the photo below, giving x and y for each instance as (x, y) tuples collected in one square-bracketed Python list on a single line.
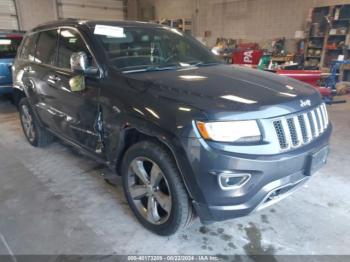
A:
[(133, 135), (18, 94)]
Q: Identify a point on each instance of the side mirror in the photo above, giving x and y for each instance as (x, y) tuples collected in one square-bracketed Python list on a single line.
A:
[(79, 63)]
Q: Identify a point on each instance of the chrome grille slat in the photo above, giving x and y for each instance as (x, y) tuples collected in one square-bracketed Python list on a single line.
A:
[(307, 127), (312, 125), (302, 127), (320, 120), (286, 132), (293, 134), (324, 115), (314, 121), (296, 130), (280, 134)]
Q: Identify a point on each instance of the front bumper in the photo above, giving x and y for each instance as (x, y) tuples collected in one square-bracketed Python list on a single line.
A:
[(273, 177)]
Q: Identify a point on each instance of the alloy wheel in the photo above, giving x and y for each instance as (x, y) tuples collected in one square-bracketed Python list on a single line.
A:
[(27, 122), (149, 190)]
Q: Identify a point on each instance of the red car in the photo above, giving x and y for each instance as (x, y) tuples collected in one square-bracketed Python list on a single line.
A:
[(311, 77)]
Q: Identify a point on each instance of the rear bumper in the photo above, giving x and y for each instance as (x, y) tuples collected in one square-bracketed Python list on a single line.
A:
[(272, 178)]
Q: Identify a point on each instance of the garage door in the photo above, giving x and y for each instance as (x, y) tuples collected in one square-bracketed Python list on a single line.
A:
[(91, 9), (8, 15)]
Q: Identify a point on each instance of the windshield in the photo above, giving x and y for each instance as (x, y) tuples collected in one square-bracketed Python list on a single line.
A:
[(133, 49), (8, 47)]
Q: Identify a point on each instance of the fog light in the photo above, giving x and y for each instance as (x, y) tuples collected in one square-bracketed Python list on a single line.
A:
[(229, 181)]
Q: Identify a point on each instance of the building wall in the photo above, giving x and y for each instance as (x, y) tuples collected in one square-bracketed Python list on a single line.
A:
[(131, 10), (34, 12), (251, 20)]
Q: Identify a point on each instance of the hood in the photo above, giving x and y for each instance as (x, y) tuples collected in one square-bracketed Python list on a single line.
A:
[(226, 91)]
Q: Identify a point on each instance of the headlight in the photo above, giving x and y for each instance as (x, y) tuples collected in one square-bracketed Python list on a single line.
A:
[(235, 131)]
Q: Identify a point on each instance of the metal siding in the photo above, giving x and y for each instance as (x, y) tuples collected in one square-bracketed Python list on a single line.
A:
[(8, 15), (89, 9)]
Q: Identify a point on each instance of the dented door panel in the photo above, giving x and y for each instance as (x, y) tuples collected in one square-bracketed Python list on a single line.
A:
[(79, 109)]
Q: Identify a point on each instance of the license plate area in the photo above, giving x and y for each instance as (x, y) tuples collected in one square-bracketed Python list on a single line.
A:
[(316, 161)]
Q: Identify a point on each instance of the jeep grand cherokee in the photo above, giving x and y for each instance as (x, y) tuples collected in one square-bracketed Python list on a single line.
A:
[(189, 135)]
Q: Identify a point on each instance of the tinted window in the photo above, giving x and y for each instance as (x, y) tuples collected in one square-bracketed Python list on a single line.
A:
[(46, 47), (8, 46), (29, 47), (70, 42)]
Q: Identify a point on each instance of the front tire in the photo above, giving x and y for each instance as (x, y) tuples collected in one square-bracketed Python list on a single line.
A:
[(154, 189), (36, 135)]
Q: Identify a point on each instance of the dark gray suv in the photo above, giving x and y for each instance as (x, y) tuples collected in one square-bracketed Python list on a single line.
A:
[(189, 135)]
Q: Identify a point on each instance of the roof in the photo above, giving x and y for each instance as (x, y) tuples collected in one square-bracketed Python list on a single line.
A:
[(92, 23)]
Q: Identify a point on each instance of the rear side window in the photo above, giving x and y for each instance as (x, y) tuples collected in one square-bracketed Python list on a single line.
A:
[(27, 52), (46, 48), (70, 42)]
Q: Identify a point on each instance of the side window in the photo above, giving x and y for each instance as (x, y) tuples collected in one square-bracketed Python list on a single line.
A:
[(28, 48), (46, 48), (70, 42)]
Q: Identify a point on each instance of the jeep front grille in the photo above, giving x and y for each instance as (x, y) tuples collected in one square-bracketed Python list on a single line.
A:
[(294, 131)]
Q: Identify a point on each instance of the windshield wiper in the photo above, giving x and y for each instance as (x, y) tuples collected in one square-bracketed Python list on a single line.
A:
[(139, 69), (201, 63), (150, 69), (198, 63)]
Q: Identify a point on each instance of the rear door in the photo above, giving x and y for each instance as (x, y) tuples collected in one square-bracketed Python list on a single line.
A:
[(22, 76), (38, 79)]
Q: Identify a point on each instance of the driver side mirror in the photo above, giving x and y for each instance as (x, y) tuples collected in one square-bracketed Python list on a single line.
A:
[(79, 63)]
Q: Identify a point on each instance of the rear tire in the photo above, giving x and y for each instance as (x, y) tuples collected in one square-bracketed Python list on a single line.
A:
[(36, 135), (155, 191)]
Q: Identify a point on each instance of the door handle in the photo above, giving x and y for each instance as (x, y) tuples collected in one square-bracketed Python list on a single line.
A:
[(27, 69), (54, 78)]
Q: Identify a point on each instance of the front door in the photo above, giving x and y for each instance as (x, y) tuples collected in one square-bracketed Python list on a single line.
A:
[(78, 95)]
